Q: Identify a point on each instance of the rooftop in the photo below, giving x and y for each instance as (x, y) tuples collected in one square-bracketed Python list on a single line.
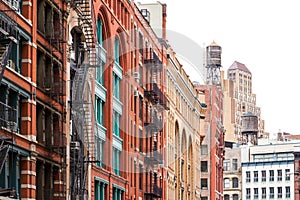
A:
[(239, 66)]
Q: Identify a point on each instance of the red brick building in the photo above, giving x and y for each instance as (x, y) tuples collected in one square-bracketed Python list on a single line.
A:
[(213, 146), (32, 99), (126, 151)]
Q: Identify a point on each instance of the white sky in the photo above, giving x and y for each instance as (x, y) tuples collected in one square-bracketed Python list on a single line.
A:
[(262, 34)]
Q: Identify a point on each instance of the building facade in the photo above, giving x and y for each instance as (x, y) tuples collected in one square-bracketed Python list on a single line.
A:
[(212, 150), (268, 171), (33, 100), (184, 135), (85, 104), (232, 173), (238, 100)]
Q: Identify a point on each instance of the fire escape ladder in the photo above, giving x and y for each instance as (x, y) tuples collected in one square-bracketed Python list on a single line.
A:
[(5, 49)]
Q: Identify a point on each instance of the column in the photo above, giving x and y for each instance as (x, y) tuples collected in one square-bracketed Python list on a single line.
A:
[(28, 177)]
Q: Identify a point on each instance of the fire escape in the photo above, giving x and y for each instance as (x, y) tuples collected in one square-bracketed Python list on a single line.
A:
[(154, 124), (81, 105), (8, 118)]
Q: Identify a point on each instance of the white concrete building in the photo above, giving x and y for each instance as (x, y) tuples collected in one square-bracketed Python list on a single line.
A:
[(267, 171)]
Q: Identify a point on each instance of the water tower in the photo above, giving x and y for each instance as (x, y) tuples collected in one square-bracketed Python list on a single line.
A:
[(213, 64), (249, 128)]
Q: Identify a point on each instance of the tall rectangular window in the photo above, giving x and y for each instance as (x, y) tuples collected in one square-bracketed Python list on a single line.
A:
[(255, 193), (204, 167), (255, 176), (204, 184), (116, 89), (279, 175), (99, 104), (204, 150), (117, 51), (226, 165), (287, 175), (99, 73), (271, 193), (248, 177), (234, 164), (116, 123), (99, 191), (248, 193), (263, 193), (98, 151), (287, 192), (271, 178), (279, 192), (99, 31), (140, 176), (263, 176), (116, 161)]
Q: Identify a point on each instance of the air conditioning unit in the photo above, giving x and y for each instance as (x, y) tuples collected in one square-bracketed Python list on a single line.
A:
[(136, 75), (75, 145), (136, 93)]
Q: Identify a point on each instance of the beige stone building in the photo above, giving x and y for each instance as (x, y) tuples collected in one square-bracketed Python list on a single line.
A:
[(184, 134), (238, 100), (232, 174)]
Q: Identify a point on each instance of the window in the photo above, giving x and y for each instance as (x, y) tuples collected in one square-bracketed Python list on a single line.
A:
[(116, 123), (271, 175), (99, 73), (204, 184), (235, 182), (279, 192), (117, 194), (248, 177), (263, 176), (248, 193), (116, 161), (226, 183), (287, 175), (117, 51), (100, 31), (140, 176), (288, 192), (226, 165), (226, 197), (271, 192), (98, 151), (99, 110), (204, 166), (255, 178), (234, 164), (235, 197), (204, 150), (263, 193), (255, 193), (116, 86), (99, 190), (279, 175), (204, 198)]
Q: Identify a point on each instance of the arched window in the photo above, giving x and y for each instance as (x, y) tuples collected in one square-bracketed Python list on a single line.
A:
[(235, 197), (235, 183), (100, 31), (226, 197)]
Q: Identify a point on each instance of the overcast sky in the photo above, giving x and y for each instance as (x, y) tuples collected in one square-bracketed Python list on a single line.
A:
[(264, 35)]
